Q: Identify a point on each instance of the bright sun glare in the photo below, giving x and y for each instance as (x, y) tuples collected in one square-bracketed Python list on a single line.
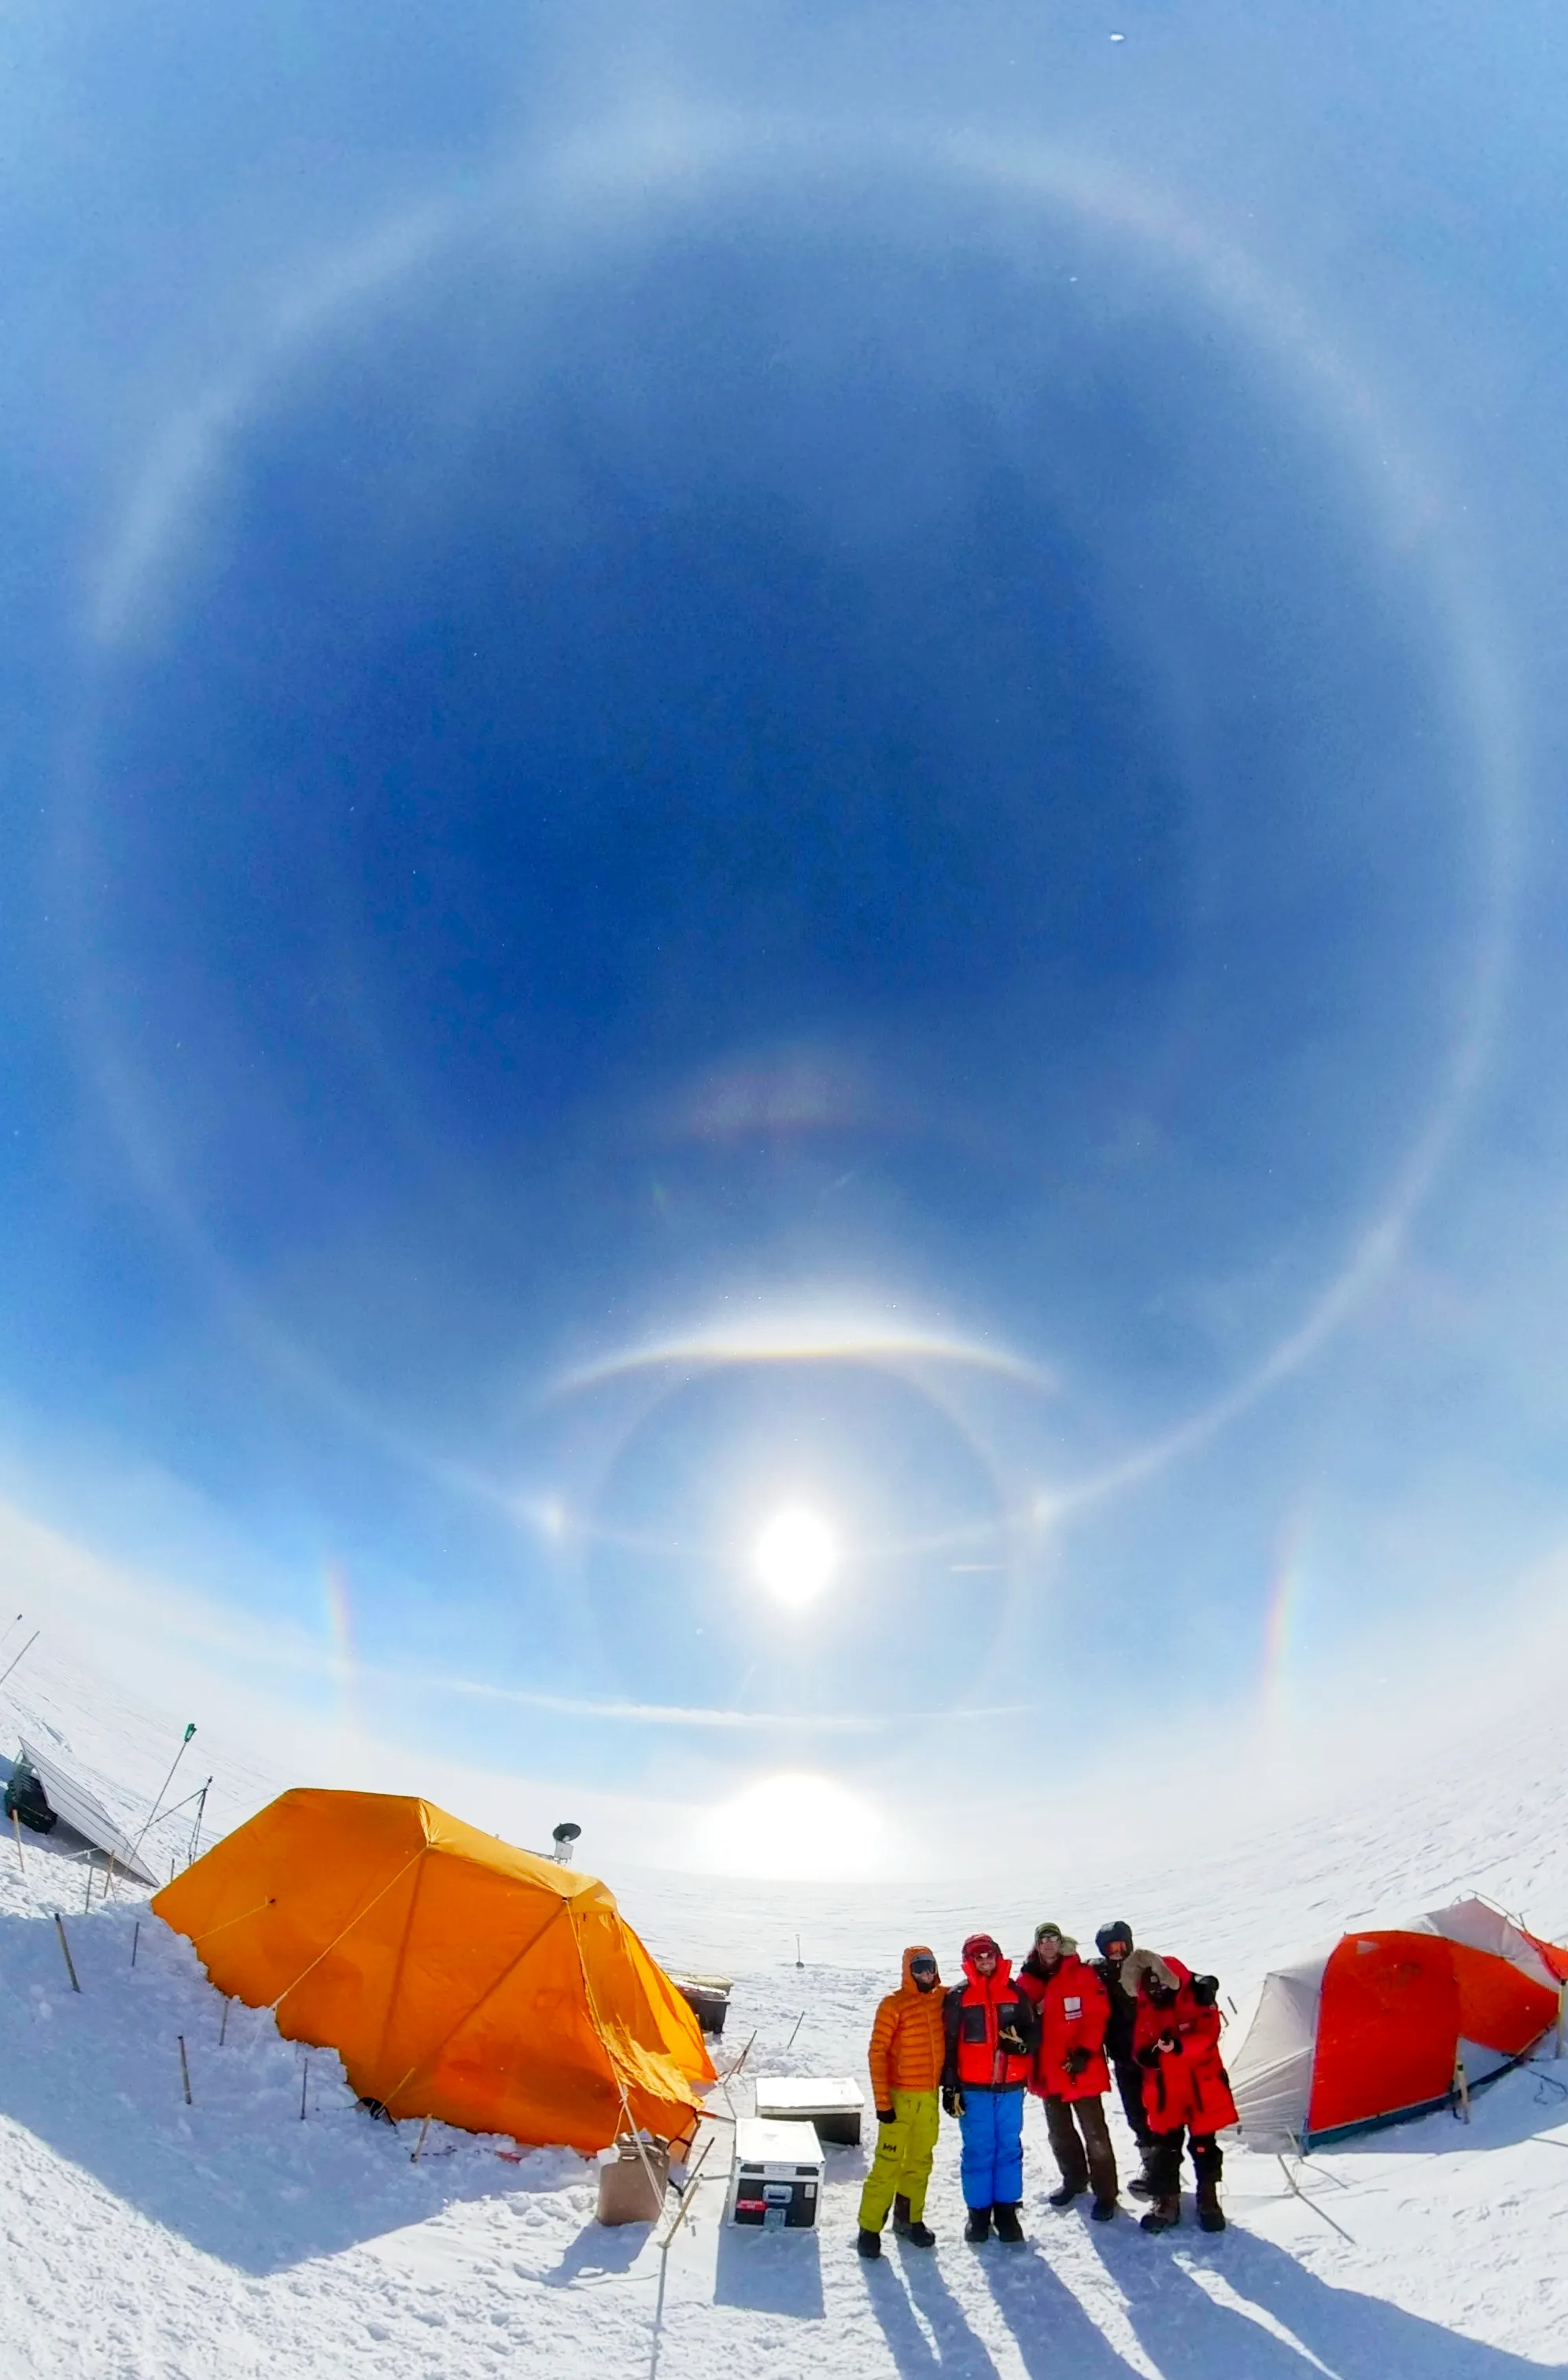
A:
[(797, 1555)]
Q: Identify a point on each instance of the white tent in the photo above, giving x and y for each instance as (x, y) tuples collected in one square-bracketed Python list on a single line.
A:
[(76, 1809)]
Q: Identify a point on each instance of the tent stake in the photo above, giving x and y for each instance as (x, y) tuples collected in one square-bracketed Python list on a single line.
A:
[(17, 1830), (135, 1938), (1461, 2090), (419, 2144), (799, 2020), (1292, 2184), (184, 2069), (304, 2085), (109, 1880), (224, 2027), (688, 2194), (71, 1962), (87, 1897)]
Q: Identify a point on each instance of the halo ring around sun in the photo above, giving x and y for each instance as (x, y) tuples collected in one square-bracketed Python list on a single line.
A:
[(595, 181)]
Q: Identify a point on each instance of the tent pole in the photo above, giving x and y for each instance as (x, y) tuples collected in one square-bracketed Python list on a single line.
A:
[(1294, 2186), (693, 2177), (163, 1788), (26, 1648), (71, 1962)]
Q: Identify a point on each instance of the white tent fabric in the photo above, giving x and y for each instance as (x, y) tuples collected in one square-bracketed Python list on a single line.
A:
[(1486, 1928), (76, 1807), (1271, 2073)]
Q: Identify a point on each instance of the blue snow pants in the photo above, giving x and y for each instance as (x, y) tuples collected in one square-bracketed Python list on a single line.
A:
[(992, 2166)]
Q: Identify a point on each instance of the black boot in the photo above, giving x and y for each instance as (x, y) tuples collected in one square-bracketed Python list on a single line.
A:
[(1103, 2210), (978, 2228), (1140, 2185), (909, 2227), (1165, 2213), (868, 2244), (1210, 2214), (1008, 2227), (1065, 2195)]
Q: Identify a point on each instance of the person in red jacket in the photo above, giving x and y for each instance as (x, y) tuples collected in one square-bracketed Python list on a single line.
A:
[(1187, 2091), (1070, 2074), (992, 2030)]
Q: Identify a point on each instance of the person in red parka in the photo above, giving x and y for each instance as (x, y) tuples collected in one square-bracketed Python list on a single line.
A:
[(1187, 2091), (1070, 2074)]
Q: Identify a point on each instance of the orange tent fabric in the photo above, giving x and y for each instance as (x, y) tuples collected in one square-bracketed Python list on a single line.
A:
[(457, 1976), (1394, 2007)]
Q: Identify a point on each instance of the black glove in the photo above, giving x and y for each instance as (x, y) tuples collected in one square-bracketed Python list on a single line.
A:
[(1170, 2042), (1075, 2062), (1150, 2056), (1009, 2038), (1205, 1990), (951, 2102), (887, 2115)]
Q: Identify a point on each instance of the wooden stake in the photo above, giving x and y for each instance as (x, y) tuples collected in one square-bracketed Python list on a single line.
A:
[(184, 2068), (71, 1962), (224, 2027), (304, 2085), (16, 1829), (799, 2020), (109, 1878), (1462, 2091), (135, 1938), (688, 2194), (419, 2144), (87, 1897)]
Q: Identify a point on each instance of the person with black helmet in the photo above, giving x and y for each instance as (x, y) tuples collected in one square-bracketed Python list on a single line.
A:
[(1114, 1943)]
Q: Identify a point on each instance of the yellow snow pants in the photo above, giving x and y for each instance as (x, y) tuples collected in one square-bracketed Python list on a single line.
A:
[(902, 2166)]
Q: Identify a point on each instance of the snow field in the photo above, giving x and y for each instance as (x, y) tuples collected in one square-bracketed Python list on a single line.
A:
[(141, 2237)]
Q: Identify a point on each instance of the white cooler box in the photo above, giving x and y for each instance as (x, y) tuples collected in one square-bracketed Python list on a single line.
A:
[(831, 2104), (777, 2182)]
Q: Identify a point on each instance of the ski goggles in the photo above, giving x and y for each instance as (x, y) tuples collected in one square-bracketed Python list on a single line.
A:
[(922, 1966)]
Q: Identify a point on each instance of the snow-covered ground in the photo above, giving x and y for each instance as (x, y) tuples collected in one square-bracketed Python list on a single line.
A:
[(141, 2236)]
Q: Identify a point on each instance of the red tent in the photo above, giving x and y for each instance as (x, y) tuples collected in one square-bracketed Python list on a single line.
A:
[(1393, 2024)]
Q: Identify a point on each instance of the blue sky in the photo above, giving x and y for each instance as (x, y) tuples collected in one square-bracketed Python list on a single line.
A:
[(773, 763)]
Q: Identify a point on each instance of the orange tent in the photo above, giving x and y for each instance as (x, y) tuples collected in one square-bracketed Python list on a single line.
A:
[(455, 1977), (1386, 2024)]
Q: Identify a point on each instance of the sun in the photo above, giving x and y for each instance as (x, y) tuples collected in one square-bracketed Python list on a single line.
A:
[(796, 1557)]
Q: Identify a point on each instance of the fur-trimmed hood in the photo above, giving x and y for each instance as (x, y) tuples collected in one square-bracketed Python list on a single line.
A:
[(1141, 1966)]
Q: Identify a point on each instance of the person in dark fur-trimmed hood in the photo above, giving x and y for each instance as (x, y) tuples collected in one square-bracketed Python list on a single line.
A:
[(1187, 2091)]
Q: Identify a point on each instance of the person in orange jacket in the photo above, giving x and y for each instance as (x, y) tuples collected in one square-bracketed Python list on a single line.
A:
[(1071, 2075), (992, 2032), (1187, 2091), (905, 2060)]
